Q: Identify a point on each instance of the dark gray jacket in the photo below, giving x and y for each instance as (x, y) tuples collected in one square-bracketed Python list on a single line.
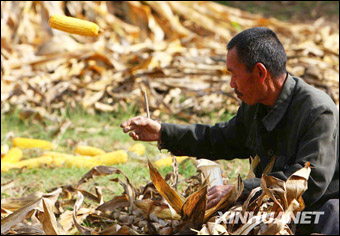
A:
[(302, 126)]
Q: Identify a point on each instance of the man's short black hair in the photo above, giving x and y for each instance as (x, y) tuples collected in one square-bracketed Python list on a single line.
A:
[(260, 44)]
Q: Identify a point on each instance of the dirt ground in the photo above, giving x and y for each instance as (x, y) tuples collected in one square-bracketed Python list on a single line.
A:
[(292, 11)]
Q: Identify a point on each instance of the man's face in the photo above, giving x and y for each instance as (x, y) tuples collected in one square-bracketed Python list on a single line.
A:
[(245, 84)]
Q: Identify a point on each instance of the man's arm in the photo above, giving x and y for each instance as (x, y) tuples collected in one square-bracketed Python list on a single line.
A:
[(222, 141), (319, 146)]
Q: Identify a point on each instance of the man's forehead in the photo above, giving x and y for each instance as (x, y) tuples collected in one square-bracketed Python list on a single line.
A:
[(232, 60)]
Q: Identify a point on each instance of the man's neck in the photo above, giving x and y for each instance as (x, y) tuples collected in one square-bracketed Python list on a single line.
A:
[(275, 86)]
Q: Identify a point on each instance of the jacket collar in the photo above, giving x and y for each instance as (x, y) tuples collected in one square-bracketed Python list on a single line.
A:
[(276, 113)]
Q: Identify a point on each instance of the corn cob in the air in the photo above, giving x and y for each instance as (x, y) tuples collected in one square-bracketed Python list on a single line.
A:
[(32, 143), (74, 25)]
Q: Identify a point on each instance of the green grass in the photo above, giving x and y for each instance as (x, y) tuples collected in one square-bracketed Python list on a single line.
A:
[(100, 130)]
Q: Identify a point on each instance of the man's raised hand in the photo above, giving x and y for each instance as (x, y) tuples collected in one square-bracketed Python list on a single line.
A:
[(142, 129)]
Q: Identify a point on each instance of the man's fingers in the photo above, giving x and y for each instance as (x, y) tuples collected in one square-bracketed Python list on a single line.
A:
[(138, 120), (212, 190), (129, 128), (212, 196), (141, 121), (134, 136), (212, 203)]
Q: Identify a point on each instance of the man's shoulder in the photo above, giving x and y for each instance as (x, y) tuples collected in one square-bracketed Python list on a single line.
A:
[(308, 98)]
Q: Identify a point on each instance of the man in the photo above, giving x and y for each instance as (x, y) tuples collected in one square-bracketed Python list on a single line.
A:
[(280, 116)]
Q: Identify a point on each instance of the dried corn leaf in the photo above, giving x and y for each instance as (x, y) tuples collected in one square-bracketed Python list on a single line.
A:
[(27, 229), (169, 194), (48, 219), (269, 166), (275, 189), (253, 164), (116, 229), (194, 207), (157, 208), (82, 229), (297, 184), (21, 214)]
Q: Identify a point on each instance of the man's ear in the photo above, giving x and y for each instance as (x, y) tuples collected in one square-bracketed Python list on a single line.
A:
[(261, 71)]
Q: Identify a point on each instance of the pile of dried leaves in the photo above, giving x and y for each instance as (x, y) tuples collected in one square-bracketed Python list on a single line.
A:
[(157, 208), (175, 50)]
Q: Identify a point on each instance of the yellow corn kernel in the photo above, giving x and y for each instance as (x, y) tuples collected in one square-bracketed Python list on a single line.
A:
[(74, 25), (111, 158), (32, 143), (138, 148), (88, 150), (167, 161), (12, 156)]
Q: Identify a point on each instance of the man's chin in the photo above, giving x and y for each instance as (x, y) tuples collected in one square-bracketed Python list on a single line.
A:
[(248, 102)]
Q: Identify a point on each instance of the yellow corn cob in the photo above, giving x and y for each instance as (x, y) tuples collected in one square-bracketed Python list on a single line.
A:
[(4, 150), (74, 26), (32, 143), (58, 155), (88, 150), (138, 148), (5, 166), (111, 158), (59, 159), (12, 156), (167, 161), (82, 162), (31, 163)]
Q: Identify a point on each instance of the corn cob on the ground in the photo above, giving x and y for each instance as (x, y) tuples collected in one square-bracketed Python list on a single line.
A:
[(88, 150), (82, 162), (4, 150), (12, 156), (137, 148), (5, 166), (111, 158), (58, 158), (32, 143), (29, 163), (167, 161), (74, 25), (58, 155)]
